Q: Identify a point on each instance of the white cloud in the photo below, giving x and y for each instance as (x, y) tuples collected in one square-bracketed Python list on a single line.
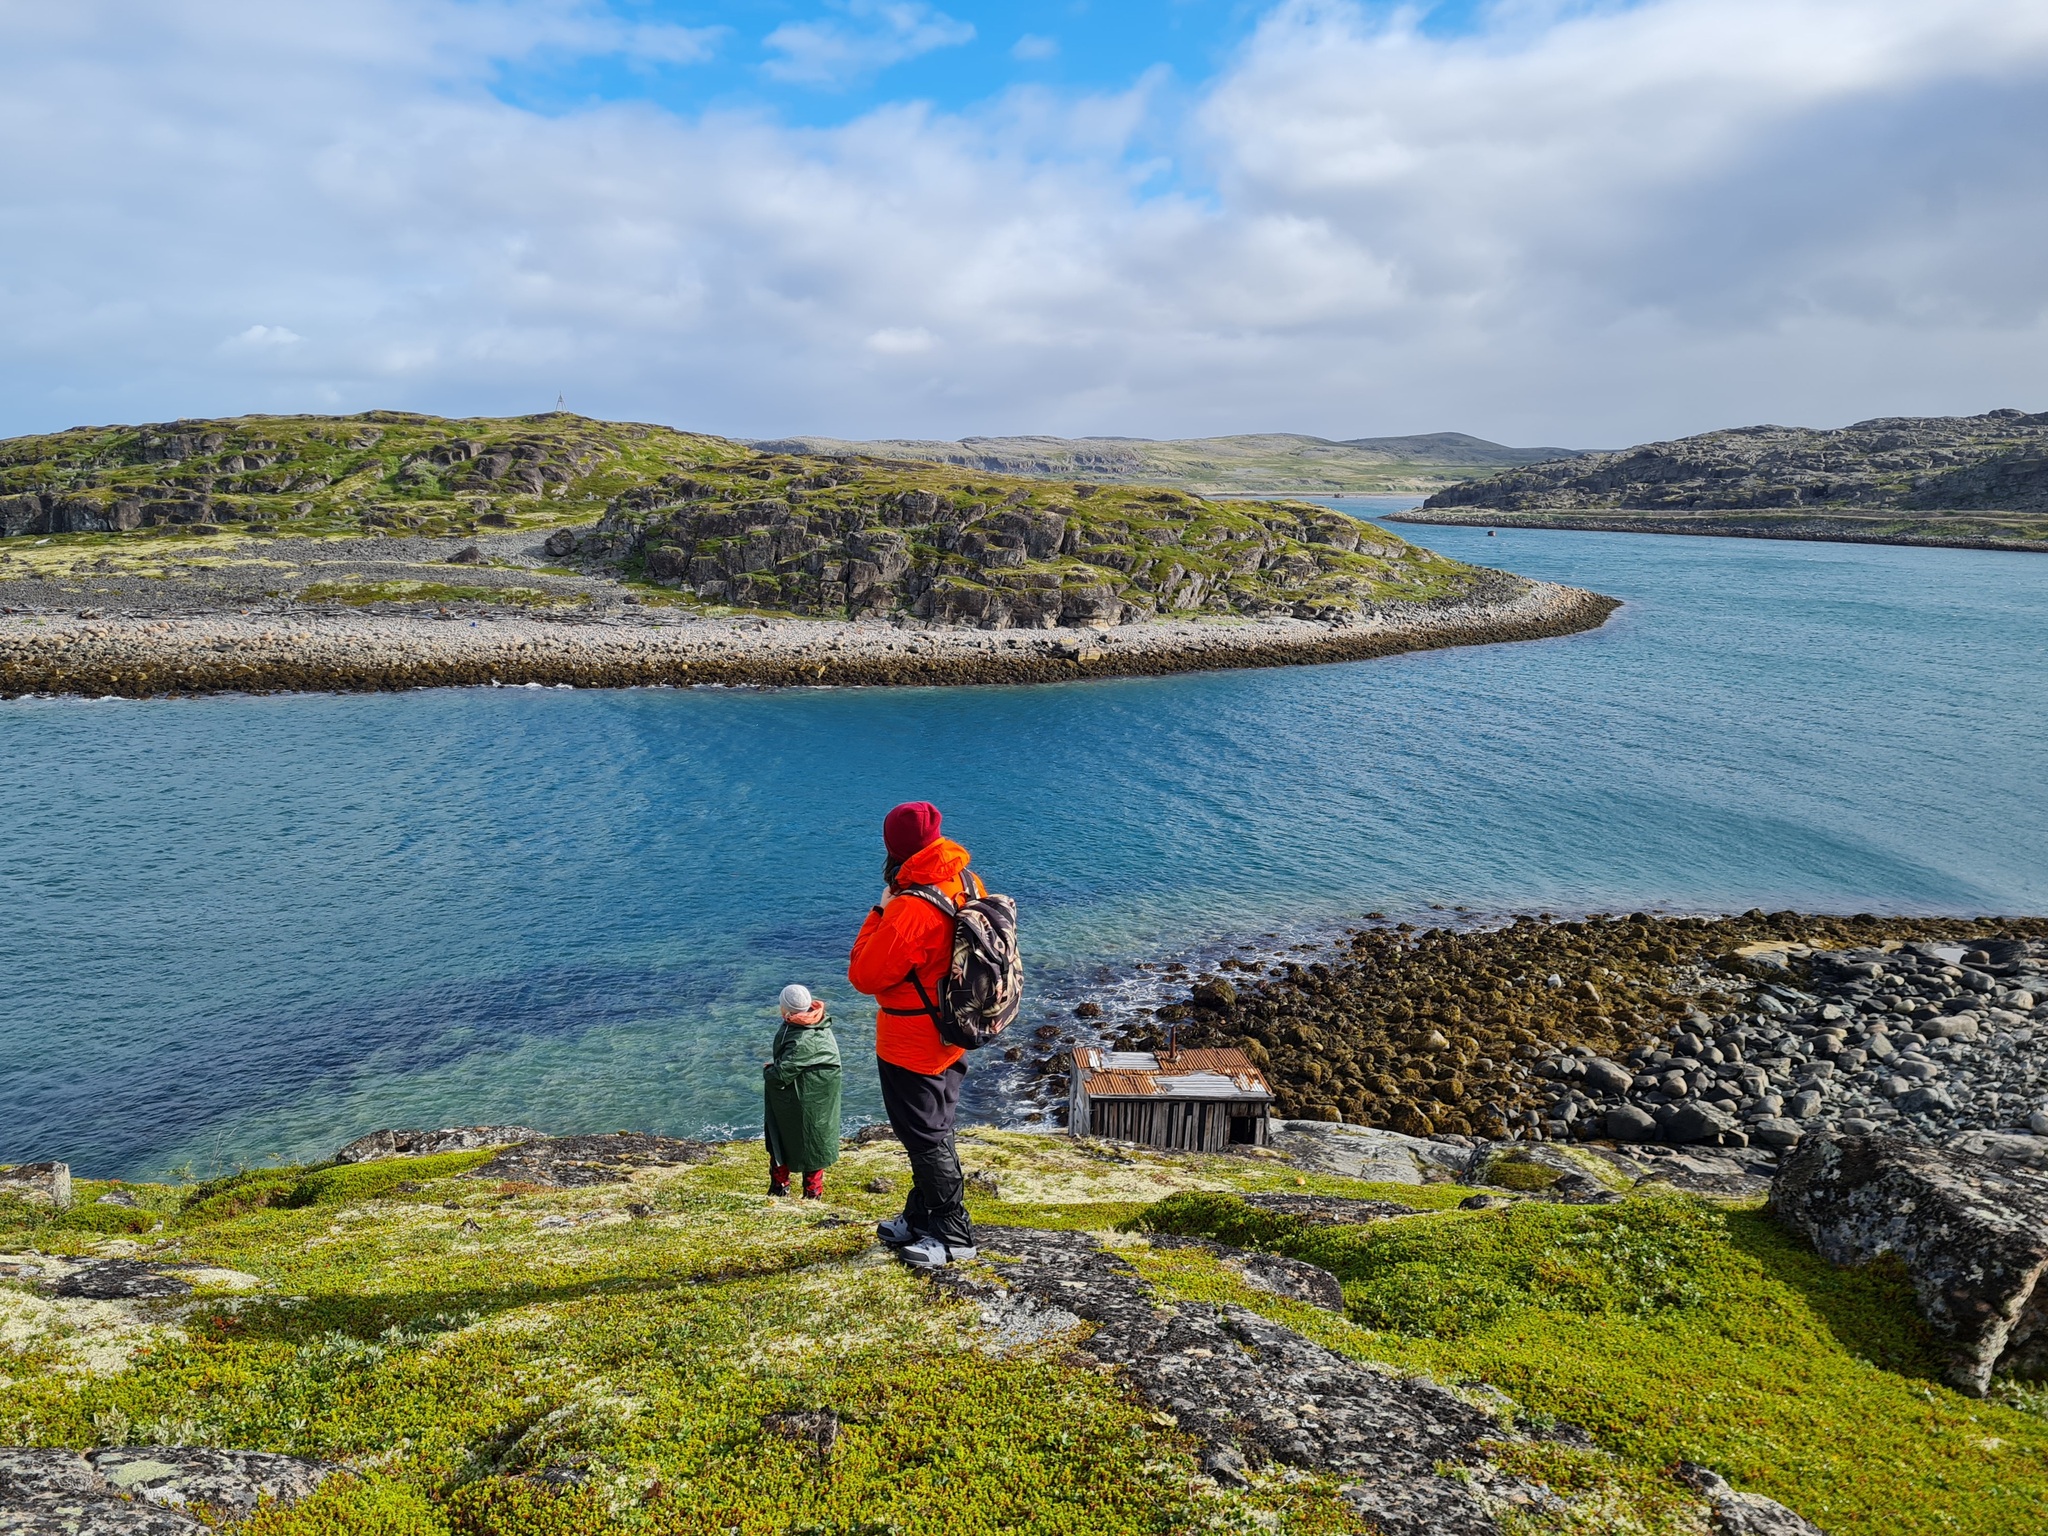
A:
[(265, 336), (1623, 223), (1032, 48), (665, 44), (867, 37), (898, 341)]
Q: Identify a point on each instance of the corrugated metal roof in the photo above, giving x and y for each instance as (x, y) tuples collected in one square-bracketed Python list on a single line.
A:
[(1121, 1085), (1215, 1073)]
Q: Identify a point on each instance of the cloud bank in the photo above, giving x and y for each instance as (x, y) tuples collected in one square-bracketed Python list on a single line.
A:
[(1587, 225)]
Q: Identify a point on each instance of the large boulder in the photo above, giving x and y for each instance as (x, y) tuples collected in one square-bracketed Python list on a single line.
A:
[(1972, 1233)]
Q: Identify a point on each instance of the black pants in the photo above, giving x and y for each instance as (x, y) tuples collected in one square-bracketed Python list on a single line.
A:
[(921, 1111)]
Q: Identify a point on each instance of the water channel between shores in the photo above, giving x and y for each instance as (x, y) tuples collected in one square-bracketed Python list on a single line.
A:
[(239, 928)]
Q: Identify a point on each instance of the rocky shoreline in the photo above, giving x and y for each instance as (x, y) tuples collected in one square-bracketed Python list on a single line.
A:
[(1954, 531), (1751, 1031), (360, 652)]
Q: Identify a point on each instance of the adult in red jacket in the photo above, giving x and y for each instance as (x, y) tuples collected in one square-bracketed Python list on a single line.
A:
[(921, 1074)]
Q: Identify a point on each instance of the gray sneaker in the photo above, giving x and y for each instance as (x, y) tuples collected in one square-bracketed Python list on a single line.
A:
[(895, 1232), (930, 1253)]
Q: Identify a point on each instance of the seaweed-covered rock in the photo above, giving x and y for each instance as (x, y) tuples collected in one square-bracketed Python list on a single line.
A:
[(1972, 1234), (579, 1162)]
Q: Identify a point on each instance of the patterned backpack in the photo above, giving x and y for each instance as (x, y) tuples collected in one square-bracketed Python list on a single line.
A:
[(981, 991)]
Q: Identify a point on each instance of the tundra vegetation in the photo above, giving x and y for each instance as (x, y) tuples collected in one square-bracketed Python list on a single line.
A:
[(486, 1356), (681, 518)]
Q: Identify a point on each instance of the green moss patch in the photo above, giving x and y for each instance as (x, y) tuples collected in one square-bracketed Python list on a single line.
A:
[(1674, 1330)]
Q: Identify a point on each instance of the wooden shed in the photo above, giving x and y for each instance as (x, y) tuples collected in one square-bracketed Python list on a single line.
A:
[(1188, 1101)]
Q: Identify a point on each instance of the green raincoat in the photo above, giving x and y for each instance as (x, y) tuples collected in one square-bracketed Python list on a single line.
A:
[(800, 1093)]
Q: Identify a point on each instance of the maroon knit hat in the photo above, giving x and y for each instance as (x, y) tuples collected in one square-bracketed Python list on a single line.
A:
[(908, 828)]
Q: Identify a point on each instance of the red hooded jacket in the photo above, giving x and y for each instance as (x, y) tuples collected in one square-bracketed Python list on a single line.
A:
[(910, 934)]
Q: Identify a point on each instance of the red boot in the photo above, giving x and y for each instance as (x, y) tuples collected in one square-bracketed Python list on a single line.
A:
[(814, 1185), (778, 1179)]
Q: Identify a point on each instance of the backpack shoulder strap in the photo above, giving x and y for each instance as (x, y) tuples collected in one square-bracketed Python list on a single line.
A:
[(932, 894)]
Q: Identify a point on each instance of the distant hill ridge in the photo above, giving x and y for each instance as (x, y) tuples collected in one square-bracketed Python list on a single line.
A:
[(1251, 463), (1996, 462)]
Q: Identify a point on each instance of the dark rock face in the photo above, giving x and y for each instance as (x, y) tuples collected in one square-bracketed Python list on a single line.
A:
[(1972, 1233), (1997, 461), (579, 1162), (379, 1145), (143, 1490), (120, 1280)]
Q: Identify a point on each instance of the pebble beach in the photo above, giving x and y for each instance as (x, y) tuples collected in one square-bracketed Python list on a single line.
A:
[(148, 655)]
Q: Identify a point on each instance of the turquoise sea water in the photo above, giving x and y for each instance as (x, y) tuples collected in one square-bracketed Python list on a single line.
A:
[(240, 928)]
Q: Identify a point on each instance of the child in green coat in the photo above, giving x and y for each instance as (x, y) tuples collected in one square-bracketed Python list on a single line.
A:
[(800, 1093)]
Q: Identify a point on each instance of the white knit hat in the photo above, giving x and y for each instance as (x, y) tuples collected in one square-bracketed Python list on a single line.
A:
[(795, 999)]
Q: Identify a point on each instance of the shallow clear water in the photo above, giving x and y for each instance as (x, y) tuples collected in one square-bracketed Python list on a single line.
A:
[(237, 928)]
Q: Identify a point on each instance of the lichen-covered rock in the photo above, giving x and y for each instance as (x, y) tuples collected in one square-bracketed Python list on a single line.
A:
[(578, 1162), (187, 1476), (121, 1280), (1972, 1234), (379, 1145), (1743, 1514), (1328, 1210), (44, 1183), (1258, 1392), (142, 1490)]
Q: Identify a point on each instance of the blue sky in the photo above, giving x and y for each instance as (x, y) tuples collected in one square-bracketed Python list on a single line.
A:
[(813, 64), (1542, 221)]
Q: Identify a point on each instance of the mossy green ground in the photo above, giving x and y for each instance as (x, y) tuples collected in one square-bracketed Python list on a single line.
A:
[(446, 1337), (1671, 1330)]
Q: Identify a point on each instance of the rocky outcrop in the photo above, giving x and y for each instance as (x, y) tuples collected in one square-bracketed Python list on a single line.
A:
[(579, 1162), (144, 1490), (1743, 1514), (121, 1280), (1253, 1392), (995, 561), (1972, 1233), (42, 1183), (1413, 1458), (1997, 461), (379, 1145)]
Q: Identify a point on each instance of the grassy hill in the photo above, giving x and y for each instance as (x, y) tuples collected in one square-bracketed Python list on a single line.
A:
[(1249, 464), (704, 519), (493, 1358)]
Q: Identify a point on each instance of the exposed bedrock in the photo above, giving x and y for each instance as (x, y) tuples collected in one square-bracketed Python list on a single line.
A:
[(144, 1490), (1971, 1232)]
